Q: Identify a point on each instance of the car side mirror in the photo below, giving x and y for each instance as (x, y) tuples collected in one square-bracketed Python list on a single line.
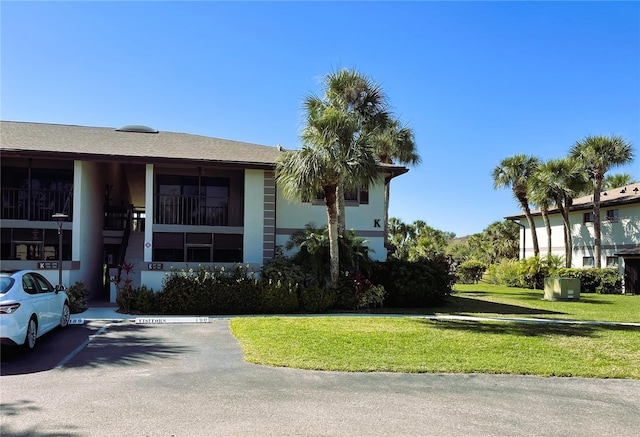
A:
[(59, 288)]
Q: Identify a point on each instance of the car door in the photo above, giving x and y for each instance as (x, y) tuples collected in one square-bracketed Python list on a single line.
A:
[(54, 306), (39, 301)]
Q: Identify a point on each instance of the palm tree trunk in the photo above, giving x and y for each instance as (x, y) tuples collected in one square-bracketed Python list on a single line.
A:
[(532, 226), (597, 237), (547, 225), (341, 210), (332, 220), (568, 243)]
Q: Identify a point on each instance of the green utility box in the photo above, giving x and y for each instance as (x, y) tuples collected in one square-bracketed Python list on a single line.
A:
[(556, 288)]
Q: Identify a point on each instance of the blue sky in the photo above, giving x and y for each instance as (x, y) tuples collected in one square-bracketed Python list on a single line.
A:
[(477, 81)]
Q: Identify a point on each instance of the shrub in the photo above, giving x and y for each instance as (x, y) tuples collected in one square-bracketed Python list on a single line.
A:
[(278, 297), (592, 280), (506, 272), (77, 294), (471, 271), (281, 268), (412, 284), (317, 299)]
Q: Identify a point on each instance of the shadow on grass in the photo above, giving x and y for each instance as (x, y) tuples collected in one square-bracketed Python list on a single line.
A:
[(525, 329), (466, 305)]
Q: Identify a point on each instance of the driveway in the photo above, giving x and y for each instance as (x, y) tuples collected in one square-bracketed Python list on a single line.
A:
[(191, 380)]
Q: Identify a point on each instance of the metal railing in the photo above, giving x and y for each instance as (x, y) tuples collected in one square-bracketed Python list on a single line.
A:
[(35, 205), (198, 210)]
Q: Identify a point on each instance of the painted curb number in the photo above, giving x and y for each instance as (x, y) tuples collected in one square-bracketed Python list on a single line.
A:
[(168, 320)]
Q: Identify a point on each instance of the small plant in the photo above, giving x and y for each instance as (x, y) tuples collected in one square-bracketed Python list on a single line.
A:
[(125, 292), (77, 294), (317, 299)]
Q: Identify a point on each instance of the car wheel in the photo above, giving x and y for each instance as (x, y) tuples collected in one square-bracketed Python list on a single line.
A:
[(32, 333), (66, 315)]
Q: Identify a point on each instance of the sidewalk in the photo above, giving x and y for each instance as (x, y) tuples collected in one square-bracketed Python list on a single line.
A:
[(110, 313)]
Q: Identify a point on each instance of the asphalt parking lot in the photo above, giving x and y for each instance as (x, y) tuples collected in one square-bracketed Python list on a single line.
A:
[(108, 378)]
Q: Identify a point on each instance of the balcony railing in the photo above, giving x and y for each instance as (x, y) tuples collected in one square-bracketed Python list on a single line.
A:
[(198, 210), (35, 205)]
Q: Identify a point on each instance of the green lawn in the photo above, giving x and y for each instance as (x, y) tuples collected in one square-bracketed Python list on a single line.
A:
[(400, 344), (494, 300)]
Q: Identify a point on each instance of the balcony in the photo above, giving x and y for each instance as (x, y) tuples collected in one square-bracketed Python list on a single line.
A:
[(198, 210), (35, 205)]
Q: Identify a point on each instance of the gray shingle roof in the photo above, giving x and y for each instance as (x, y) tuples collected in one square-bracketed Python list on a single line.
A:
[(107, 142), (75, 142)]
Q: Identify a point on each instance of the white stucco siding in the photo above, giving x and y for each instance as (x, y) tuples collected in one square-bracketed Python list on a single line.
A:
[(88, 199), (366, 219), (616, 235), (149, 214)]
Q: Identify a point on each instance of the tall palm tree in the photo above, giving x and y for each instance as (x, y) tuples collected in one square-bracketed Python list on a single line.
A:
[(598, 154), (323, 164), (541, 193), (394, 143), (514, 172), (350, 92)]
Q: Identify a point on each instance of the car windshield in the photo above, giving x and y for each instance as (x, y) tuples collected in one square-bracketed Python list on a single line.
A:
[(5, 284)]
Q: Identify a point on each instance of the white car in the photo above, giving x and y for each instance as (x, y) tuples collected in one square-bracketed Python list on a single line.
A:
[(29, 307)]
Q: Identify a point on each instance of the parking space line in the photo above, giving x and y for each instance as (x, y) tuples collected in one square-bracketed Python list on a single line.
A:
[(77, 350)]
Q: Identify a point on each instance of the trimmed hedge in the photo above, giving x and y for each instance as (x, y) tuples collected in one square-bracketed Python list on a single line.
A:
[(413, 284), (592, 280)]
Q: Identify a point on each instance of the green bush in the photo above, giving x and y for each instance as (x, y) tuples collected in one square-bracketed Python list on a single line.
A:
[(506, 272), (471, 271), (592, 280), (278, 297), (317, 299), (413, 284), (77, 294)]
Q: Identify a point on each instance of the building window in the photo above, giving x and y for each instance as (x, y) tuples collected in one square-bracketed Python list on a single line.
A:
[(587, 217), (612, 261), (193, 200), (197, 247), (588, 261), (33, 244), (612, 215), (351, 197)]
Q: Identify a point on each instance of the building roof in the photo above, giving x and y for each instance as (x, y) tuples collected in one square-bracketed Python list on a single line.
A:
[(108, 143), (26, 139), (632, 252), (628, 194)]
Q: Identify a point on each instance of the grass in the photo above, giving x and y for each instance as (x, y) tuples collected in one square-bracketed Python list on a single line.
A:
[(414, 344), (487, 299)]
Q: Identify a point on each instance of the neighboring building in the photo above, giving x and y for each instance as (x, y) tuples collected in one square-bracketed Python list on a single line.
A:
[(620, 231), (157, 200)]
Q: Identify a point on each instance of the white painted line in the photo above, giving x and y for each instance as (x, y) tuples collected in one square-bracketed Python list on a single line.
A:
[(169, 320), (77, 350)]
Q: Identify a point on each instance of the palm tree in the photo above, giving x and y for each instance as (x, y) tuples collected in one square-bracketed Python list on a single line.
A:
[(324, 163), (617, 180), (560, 180), (598, 154), (394, 143), (350, 92), (541, 193), (514, 172)]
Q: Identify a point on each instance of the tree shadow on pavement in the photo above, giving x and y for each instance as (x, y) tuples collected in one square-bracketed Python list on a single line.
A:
[(16, 408), (126, 344)]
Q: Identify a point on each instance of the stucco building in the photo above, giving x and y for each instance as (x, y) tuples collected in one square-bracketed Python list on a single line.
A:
[(158, 200)]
